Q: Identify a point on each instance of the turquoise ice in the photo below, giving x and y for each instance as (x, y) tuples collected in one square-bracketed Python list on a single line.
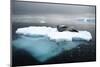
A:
[(42, 48), (39, 47)]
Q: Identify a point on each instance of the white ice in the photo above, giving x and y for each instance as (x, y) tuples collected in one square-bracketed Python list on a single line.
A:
[(53, 34)]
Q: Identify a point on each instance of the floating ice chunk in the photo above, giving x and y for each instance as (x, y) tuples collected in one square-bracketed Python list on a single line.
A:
[(53, 34), (41, 47)]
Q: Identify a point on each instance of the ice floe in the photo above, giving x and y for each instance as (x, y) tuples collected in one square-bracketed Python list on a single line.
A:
[(53, 34)]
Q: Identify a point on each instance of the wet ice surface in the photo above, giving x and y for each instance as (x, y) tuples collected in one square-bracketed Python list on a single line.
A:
[(42, 48)]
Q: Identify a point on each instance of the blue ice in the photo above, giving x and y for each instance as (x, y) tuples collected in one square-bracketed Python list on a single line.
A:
[(39, 47), (42, 48)]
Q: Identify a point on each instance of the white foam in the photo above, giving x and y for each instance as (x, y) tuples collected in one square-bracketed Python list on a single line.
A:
[(52, 33)]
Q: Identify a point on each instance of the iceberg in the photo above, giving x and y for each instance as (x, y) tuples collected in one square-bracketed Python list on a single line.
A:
[(54, 34), (52, 42)]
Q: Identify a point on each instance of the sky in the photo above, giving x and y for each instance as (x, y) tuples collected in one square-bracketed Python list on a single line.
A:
[(30, 11)]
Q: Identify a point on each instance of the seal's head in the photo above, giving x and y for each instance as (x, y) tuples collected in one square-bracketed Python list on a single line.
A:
[(61, 28)]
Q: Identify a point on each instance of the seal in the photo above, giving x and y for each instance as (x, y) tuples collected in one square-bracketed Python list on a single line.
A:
[(62, 28)]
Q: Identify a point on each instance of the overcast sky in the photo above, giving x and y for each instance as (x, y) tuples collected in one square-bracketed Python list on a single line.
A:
[(50, 12), (43, 8)]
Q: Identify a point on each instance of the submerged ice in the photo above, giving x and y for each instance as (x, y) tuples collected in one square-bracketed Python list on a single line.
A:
[(44, 43), (39, 47)]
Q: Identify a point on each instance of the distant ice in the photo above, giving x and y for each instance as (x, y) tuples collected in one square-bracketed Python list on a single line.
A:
[(53, 34)]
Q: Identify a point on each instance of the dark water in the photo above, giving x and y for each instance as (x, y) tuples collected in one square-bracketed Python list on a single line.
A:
[(59, 52)]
